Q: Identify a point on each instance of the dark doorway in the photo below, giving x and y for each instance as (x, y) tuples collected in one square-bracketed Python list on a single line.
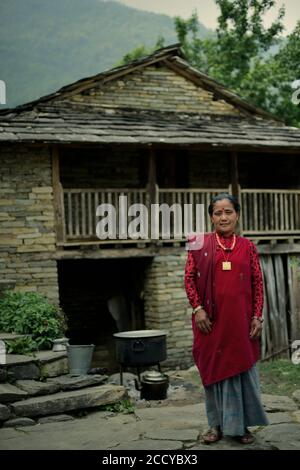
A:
[(99, 298)]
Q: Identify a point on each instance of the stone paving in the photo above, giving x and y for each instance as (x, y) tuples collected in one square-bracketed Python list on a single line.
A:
[(172, 424)]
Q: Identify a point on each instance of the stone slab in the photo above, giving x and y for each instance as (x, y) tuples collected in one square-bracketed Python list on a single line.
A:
[(55, 368), (4, 413), (49, 356), (35, 388), (282, 436), (275, 403), (68, 401), (184, 435), (17, 359), (23, 371), (55, 419), (70, 382), (19, 422), (93, 432), (10, 393), (280, 418)]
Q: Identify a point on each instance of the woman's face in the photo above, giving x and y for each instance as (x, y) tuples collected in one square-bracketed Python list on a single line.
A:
[(224, 217)]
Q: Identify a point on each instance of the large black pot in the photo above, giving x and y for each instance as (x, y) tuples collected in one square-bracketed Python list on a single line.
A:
[(141, 347)]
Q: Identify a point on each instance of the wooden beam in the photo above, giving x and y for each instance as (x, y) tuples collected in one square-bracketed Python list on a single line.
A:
[(234, 174), (58, 198), (152, 181)]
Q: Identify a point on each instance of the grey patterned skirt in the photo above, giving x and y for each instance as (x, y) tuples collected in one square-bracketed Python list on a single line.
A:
[(235, 403)]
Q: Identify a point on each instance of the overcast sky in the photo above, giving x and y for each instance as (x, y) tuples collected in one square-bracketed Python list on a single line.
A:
[(207, 10)]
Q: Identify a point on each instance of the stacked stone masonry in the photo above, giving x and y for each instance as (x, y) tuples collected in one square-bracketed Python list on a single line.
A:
[(155, 88), (167, 308), (27, 220)]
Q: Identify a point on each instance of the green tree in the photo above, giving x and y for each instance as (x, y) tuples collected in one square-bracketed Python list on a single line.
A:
[(269, 83), (239, 55), (240, 38), (141, 51)]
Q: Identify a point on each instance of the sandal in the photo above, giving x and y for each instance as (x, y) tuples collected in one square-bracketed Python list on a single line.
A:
[(214, 434), (247, 438)]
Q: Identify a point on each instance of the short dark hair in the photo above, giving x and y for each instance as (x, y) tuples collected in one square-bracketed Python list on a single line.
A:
[(221, 196)]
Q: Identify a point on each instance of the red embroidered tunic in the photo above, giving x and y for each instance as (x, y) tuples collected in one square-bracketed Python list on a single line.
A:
[(238, 295)]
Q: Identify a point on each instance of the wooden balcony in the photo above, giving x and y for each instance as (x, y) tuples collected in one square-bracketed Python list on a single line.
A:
[(266, 213)]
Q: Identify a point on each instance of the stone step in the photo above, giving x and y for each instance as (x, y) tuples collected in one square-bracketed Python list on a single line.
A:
[(42, 364), (19, 366), (52, 364), (70, 382), (10, 393), (69, 401), (56, 384), (35, 388)]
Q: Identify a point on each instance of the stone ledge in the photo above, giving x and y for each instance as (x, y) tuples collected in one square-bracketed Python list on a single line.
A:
[(10, 393), (69, 382), (18, 359), (69, 401), (35, 388), (49, 356)]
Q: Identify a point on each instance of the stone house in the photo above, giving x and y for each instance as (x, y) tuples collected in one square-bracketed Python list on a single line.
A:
[(155, 130)]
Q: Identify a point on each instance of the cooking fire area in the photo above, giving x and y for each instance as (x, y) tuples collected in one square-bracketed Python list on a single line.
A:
[(101, 298)]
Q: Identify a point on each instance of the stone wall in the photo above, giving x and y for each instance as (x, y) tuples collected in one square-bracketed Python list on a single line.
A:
[(27, 237), (155, 88), (166, 307)]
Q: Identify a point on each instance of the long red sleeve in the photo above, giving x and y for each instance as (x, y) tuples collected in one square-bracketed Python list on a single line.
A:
[(190, 282), (257, 282)]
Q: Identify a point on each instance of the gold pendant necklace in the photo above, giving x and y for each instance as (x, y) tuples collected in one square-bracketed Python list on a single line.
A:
[(226, 265)]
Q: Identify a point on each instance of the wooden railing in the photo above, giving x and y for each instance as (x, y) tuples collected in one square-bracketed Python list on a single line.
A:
[(264, 211), (270, 211), (80, 207), (192, 196)]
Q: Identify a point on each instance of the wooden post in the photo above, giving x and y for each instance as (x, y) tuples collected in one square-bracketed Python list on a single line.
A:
[(58, 198), (234, 184), (234, 174), (152, 186)]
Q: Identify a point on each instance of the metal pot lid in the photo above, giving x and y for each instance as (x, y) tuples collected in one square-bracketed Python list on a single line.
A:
[(153, 376), (141, 334)]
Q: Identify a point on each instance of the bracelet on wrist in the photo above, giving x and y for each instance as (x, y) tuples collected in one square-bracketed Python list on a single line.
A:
[(255, 317), (195, 310)]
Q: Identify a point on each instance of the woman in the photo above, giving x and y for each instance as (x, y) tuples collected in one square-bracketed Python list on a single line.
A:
[(224, 286)]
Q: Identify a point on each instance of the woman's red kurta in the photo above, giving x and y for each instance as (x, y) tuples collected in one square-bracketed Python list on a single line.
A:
[(235, 296)]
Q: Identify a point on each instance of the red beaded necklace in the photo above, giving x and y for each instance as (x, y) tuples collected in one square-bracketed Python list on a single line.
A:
[(226, 265)]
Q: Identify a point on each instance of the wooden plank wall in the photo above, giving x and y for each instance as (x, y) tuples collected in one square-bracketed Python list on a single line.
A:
[(293, 271), (281, 314)]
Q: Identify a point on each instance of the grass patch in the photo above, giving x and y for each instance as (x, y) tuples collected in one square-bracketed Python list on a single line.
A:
[(124, 406), (279, 377)]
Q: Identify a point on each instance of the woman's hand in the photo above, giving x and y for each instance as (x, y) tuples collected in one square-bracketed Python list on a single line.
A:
[(202, 321), (256, 328)]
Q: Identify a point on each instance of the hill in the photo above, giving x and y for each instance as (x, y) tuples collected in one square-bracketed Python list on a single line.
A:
[(45, 45)]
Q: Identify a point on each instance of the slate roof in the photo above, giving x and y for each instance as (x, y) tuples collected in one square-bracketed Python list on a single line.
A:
[(57, 124), (51, 120)]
